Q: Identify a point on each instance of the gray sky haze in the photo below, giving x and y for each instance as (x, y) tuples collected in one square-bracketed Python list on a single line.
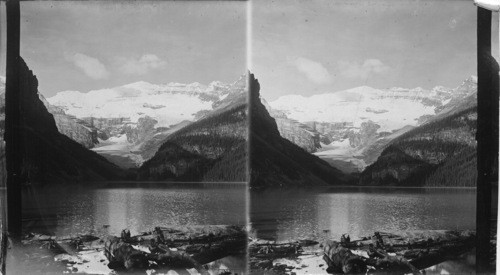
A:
[(311, 47), (297, 47), (80, 45)]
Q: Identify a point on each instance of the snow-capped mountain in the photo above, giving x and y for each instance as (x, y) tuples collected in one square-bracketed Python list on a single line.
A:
[(168, 104), (354, 125), (391, 108), (132, 120)]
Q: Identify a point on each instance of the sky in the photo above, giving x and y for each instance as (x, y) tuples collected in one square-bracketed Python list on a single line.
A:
[(313, 47), (82, 45)]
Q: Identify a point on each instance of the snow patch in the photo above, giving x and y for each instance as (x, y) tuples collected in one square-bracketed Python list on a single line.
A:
[(401, 107), (134, 101)]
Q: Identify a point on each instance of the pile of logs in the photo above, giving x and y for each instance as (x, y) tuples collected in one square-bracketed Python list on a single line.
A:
[(171, 248), (263, 252), (193, 247), (402, 253), (382, 253)]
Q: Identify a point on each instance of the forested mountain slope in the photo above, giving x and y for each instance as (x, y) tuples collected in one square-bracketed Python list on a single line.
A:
[(439, 153)]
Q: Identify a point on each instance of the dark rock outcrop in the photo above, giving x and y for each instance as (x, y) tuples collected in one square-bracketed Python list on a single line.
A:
[(49, 156), (301, 134), (367, 134), (145, 128), (76, 130), (276, 161), (107, 127)]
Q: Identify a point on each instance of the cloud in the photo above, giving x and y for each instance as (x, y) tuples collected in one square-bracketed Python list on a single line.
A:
[(453, 23), (362, 70), (142, 65), (91, 66), (313, 70)]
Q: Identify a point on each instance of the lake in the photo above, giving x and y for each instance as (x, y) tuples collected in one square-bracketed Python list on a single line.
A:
[(327, 213), (79, 210), (140, 207)]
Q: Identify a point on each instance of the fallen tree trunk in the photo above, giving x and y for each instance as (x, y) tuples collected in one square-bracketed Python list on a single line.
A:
[(341, 260), (178, 236), (262, 252), (385, 263), (214, 251), (123, 256), (196, 246), (412, 251), (268, 249), (162, 248)]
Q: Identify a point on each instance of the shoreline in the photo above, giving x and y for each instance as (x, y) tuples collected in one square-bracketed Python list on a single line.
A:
[(360, 186)]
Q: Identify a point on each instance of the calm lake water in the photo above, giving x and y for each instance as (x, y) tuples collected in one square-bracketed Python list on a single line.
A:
[(327, 213), (140, 208)]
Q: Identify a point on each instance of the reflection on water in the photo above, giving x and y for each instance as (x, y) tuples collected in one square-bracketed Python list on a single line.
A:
[(101, 211), (74, 210), (328, 213)]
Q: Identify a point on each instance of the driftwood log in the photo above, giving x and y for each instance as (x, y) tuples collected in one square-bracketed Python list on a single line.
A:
[(123, 256), (194, 246), (205, 243), (263, 252), (163, 248), (341, 260), (402, 253)]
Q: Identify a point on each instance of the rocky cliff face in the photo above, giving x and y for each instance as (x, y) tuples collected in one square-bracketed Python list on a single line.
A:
[(144, 128), (368, 132), (276, 161), (49, 156), (299, 133), (76, 129)]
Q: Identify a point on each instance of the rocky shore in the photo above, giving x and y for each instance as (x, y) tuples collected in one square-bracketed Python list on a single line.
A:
[(394, 253), (185, 250)]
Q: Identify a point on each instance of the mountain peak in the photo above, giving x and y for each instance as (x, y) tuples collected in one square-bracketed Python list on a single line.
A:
[(195, 85), (469, 84), (472, 78), (242, 81), (216, 83), (139, 85)]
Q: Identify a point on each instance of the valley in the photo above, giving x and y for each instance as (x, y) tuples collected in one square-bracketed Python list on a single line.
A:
[(127, 124), (375, 145), (350, 129), (378, 144)]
